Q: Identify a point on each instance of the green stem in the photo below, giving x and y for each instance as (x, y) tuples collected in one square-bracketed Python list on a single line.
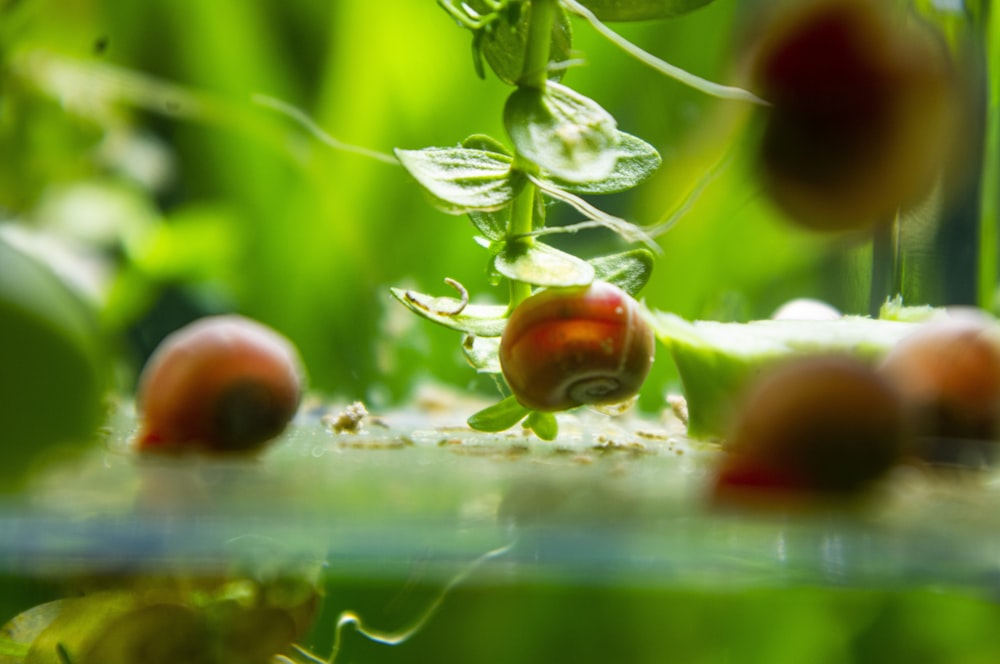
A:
[(520, 226), (536, 52), (533, 74), (989, 219)]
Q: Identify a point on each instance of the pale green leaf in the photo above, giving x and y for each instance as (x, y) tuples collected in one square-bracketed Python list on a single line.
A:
[(629, 270), (637, 160), (481, 320), (460, 180), (564, 133), (541, 265)]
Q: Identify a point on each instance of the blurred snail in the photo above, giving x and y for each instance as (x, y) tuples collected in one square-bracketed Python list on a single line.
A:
[(948, 372), (863, 110), (220, 384), (568, 347), (815, 425)]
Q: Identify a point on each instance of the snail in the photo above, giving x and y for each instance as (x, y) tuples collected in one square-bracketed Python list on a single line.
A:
[(220, 384), (863, 111), (567, 347), (948, 372), (815, 426)]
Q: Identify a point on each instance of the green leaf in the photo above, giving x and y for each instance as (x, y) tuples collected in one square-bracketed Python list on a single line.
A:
[(541, 265), (485, 143), (500, 416), (503, 45), (543, 424), (481, 320), (483, 353), (637, 160), (640, 10), (629, 270), (716, 361), (460, 180), (566, 134), (493, 225)]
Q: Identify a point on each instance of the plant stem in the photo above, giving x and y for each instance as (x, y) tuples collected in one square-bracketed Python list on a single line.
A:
[(536, 52), (521, 224), (533, 74), (989, 215)]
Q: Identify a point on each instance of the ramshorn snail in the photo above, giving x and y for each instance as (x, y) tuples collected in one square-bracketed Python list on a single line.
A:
[(827, 425), (221, 384), (568, 347)]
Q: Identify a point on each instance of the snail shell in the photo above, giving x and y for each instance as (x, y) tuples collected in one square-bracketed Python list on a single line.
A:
[(563, 348), (821, 424), (223, 384)]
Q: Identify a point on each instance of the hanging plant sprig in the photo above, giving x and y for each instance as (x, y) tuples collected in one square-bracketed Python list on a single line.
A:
[(571, 333)]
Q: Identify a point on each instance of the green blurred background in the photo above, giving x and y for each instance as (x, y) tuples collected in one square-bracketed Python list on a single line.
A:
[(129, 134), (132, 128)]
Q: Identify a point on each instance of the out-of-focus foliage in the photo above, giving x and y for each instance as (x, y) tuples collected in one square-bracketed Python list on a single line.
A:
[(201, 199)]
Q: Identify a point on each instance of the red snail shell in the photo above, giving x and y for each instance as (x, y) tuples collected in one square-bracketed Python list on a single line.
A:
[(222, 383), (563, 348), (948, 372), (819, 424), (863, 111)]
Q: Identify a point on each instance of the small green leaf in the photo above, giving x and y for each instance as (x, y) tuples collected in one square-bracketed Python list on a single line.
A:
[(543, 424), (481, 320), (485, 143), (504, 44), (629, 270), (541, 265), (640, 10), (493, 225), (499, 417), (483, 353), (460, 180), (637, 160), (566, 134)]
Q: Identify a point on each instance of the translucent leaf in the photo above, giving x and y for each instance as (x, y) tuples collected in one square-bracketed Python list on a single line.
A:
[(500, 416), (460, 179), (637, 160), (640, 10), (629, 270), (566, 134), (716, 361), (493, 225), (544, 425), (541, 265), (17, 635), (485, 143), (481, 320), (503, 46), (483, 353)]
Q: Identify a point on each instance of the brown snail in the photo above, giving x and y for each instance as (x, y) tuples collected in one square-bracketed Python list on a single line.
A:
[(220, 384), (862, 116), (815, 425), (566, 347), (948, 372)]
